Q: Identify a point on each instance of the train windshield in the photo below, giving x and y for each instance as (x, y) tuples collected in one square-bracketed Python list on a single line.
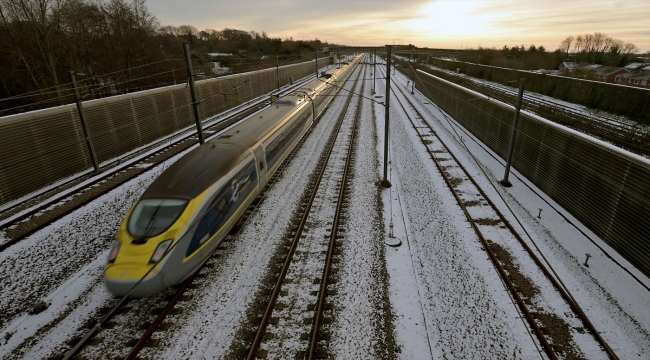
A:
[(153, 216)]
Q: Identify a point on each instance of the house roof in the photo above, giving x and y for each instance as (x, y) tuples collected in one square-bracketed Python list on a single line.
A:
[(634, 76), (581, 66), (590, 67), (634, 66), (607, 70)]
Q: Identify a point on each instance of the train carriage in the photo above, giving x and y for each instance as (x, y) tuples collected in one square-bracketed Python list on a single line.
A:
[(188, 210)]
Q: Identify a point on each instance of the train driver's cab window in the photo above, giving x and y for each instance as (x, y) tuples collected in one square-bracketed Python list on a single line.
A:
[(151, 217)]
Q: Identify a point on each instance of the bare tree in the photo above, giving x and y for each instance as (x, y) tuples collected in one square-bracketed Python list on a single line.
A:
[(39, 27), (599, 48), (565, 45), (16, 47), (629, 48)]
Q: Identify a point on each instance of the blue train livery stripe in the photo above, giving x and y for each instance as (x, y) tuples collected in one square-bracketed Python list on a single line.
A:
[(223, 206)]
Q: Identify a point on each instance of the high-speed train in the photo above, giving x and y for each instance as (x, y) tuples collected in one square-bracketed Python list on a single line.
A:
[(188, 210)]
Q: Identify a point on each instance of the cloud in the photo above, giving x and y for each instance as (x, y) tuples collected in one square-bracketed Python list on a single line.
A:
[(421, 22)]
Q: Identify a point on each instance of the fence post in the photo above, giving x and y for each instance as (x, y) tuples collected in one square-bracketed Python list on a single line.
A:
[(505, 181), (277, 70), (190, 80), (84, 125)]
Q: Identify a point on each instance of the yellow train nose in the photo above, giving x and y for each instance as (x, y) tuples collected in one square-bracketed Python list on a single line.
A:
[(127, 271)]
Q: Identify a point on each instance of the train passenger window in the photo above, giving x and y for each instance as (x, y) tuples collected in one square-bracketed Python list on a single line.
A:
[(151, 217)]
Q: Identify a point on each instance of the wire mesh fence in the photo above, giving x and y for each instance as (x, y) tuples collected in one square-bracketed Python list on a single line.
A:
[(43, 147), (626, 134), (604, 187)]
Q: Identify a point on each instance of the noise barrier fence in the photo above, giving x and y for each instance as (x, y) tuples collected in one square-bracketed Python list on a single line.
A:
[(44, 147), (606, 188)]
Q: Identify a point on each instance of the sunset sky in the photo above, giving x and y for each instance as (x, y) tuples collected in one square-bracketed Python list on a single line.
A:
[(441, 23)]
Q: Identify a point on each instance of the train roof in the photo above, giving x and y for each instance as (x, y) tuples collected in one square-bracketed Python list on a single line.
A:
[(202, 167)]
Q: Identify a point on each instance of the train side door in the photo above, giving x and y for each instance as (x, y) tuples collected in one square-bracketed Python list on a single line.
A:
[(261, 164)]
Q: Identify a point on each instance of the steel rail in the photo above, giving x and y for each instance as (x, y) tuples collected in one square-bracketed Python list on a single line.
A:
[(90, 334), (511, 287), (261, 330), (322, 295), (163, 315), (533, 99), (232, 119), (570, 301)]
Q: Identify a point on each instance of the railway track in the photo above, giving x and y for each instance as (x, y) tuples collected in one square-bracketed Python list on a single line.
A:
[(115, 333), (101, 313), (528, 280), (294, 305), (26, 223)]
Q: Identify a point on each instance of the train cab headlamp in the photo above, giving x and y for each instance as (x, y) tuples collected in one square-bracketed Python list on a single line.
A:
[(114, 250), (160, 251)]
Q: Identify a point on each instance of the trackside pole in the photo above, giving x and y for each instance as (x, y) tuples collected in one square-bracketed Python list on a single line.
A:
[(374, 71), (385, 182), (505, 181), (84, 125), (190, 80), (316, 58), (413, 69)]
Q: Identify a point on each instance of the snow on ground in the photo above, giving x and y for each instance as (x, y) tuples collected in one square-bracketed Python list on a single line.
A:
[(209, 331), (445, 299), (361, 327), (63, 266), (615, 302), (36, 266), (467, 312)]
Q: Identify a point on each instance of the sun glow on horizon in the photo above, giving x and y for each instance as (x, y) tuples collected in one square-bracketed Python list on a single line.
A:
[(452, 19)]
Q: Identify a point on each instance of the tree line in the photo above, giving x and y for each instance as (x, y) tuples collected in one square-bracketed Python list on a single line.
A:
[(597, 48), (113, 47), (238, 42)]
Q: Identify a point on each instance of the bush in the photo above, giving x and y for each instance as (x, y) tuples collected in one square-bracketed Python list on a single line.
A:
[(38, 308)]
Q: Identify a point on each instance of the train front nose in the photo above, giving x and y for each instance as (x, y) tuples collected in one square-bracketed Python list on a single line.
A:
[(122, 279)]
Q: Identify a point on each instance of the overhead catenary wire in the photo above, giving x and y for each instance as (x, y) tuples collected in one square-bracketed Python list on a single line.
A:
[(117, 127), (56, 88), (253, 64)]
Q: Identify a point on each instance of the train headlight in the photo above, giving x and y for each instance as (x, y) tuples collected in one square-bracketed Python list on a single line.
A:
[(114, 250), (160, 251)]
